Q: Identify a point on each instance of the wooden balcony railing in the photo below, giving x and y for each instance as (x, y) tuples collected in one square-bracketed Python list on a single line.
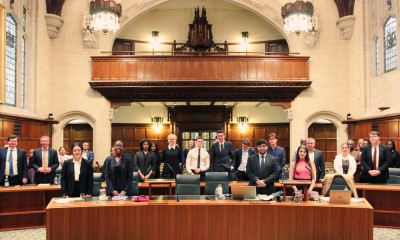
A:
[(173, 77)]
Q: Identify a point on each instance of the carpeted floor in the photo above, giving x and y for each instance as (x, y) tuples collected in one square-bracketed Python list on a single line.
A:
[(40, 234)]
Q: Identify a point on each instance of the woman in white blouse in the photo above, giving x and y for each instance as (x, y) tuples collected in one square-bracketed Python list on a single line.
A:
[(344, 163)]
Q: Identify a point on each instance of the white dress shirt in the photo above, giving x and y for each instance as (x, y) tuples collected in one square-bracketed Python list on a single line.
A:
[(192, 157)]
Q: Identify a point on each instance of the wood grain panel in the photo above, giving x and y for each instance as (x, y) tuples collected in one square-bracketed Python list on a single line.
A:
[(393, 129), (215, 219), (210, 68)]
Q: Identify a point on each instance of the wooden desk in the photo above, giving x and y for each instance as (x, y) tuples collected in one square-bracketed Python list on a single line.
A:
[(161, 182), (25, 206), (205, 219), (287, 183)]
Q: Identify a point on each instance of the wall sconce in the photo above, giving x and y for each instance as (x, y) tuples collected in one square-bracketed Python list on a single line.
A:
[(50, 116), (154, 38), (157, 123), (245, 39), (383, 108), (349, 116), (242, 123)]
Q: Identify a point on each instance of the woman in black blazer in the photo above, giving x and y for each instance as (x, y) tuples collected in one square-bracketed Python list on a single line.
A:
[(76, 174), (119, 172)]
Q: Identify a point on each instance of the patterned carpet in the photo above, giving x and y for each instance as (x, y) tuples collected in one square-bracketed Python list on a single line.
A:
[(40, 234)]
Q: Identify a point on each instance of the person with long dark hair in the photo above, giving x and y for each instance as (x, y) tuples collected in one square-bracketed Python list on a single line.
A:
[(302, 168), (76, 174), (145, 161), (157, 156), (395, 163)]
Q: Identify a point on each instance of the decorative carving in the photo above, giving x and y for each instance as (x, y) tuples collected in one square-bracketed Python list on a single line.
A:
[(346, 25), (90, 39), (54, 24), (144, 3), (200, 37), (111, 113), (289, 114), (257, 3), (311, 38)]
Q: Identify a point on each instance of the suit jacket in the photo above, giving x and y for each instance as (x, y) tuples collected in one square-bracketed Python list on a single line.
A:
[(21, 163), (90, 157), (68, 177), (268, 174), (280, 156), (126, 174), (367, 163), (145, 166), (52, 162), (319, 164), (221, 160), (238, 156)]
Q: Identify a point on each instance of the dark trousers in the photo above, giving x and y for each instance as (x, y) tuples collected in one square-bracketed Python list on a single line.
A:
[(242, 176), (14, 180)]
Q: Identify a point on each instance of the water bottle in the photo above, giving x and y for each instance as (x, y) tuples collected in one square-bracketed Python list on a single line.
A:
[(6, 182), (346, 188), (219, 190), (56, 180), (103, 195)]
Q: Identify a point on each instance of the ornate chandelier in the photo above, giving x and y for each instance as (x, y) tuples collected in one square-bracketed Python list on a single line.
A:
[(105, 15), (297, 16)]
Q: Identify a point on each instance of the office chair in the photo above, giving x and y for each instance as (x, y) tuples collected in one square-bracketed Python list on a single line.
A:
[(135, 188), (97, 180), (187, 184), (213, 179), (338, 183)]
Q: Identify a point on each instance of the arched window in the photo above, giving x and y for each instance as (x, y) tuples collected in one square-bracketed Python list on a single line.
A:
[(390, 41), (23, 59), (11, 60)]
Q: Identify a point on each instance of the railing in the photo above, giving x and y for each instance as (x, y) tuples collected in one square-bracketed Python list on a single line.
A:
[(198, 53)]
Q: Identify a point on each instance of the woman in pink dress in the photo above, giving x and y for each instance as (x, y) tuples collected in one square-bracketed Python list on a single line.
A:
[(302, 168)]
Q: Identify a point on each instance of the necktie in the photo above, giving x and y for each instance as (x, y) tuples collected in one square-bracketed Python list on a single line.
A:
[(45, 163), (198, 159), (221, 147), (262, 161), (10, 161), (374, 159)]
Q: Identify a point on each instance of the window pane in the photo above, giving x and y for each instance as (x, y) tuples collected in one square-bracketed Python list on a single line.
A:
[(390, 41), (11, 60)]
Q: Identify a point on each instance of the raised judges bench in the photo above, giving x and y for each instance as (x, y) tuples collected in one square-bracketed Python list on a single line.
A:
[(24, 207)]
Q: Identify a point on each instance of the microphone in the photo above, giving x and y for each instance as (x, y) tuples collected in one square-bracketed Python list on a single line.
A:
[(308, 168), (148, 170), (169, 166)]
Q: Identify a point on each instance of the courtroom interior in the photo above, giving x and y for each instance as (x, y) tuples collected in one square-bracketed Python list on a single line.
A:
[(167, 76)]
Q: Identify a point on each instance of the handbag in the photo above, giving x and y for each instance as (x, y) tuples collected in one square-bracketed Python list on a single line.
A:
[(314, 195)]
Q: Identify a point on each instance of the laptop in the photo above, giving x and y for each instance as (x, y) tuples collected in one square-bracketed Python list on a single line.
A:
[(244, 192), (340, 196)]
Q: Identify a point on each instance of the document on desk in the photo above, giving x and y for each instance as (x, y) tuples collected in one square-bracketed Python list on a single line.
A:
[(264, 197), (116, 198), (44, 184), (63, 200)]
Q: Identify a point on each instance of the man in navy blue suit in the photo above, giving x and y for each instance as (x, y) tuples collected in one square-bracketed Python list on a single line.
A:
[(277, 152), (240, 161), (262, 169), (87, 154), (45, 162), (13, 163), (221, 154)]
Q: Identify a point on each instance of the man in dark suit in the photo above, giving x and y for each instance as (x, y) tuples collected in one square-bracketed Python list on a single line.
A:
[(45, 162), (241, 157), (145, 161), (13, 163), (221, 154), (262, 169), (375, 159), (318, 158), (87, 154), (277, 152)]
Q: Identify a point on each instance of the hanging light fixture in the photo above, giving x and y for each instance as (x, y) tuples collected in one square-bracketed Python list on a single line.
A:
[(104, 15), (242, 123), (297, 16), (157, 123)]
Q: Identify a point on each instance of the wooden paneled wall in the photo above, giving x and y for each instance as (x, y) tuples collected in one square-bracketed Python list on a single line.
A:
[(131, 134), (257, 131), (239, 68), (325, 136), (77, 133), (28, 130), (388, 127)]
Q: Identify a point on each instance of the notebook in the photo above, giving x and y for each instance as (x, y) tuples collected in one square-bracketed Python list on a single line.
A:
[(244, 192), (340, 196)]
